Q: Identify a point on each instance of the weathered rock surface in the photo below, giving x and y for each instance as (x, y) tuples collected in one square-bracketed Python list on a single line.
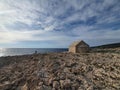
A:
[(61, 71)]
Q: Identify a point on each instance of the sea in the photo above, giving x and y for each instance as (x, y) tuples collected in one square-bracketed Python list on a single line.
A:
[(24, 51)]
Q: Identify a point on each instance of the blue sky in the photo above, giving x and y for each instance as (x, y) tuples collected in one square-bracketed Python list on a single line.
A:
[(57, 23)]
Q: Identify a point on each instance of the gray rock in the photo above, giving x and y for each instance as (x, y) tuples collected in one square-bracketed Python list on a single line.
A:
[(46, 87), (56, 84), (25, 87)]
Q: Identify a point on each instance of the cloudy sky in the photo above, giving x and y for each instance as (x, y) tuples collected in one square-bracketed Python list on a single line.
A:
[(57, 23)]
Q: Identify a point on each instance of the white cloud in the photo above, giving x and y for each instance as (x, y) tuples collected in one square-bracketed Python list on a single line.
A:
[(17, 11), (35, 35), (46, 13)]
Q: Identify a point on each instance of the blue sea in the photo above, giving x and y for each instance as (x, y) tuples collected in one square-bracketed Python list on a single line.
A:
[(23, 51)]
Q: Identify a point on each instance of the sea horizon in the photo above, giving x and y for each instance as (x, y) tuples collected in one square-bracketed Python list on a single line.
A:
[(25, 51)]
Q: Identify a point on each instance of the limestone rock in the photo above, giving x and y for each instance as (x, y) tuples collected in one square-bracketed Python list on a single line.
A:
[(25, 87), (56, 84)]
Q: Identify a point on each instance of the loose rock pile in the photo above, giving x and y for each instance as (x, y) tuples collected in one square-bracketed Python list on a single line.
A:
[(62, 71), (81, 72)]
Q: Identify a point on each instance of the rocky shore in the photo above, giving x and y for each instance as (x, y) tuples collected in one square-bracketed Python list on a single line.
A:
[(97, 70)]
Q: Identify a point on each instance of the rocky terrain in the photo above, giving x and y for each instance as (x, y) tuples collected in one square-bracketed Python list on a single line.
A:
[(97, 70)]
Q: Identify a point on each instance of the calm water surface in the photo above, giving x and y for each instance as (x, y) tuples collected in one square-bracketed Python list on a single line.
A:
[(22, 51)]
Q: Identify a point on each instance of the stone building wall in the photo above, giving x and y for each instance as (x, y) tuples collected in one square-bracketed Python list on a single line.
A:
[(72, 49)]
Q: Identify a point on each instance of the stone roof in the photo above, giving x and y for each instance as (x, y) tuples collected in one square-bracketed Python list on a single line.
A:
[(77, 42)]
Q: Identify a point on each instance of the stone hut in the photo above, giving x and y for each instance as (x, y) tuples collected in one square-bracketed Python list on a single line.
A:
[(79, 47)]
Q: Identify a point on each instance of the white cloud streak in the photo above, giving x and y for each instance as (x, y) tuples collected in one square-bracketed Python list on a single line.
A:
[(46, 13)]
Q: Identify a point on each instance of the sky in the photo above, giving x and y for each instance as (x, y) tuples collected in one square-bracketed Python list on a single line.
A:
[(57, 23)]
